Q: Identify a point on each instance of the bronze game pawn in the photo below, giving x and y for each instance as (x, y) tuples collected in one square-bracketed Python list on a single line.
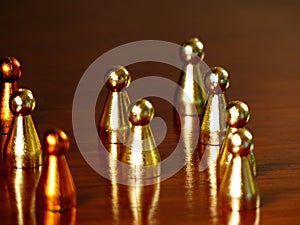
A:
[(56, 189)]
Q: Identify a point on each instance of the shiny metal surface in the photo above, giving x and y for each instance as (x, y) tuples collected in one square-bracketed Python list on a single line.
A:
[(22, 148), (239, 190), (113, 123), (56, 190), (213, 121), (191, 92), (21, 186), (10, 72), (141, 149), (237, 116)]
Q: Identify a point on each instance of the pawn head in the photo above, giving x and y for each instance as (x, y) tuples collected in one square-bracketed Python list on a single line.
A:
[(238, 114), (240, 142), (22, 102), (216, 80), (55, 142), (141, 112), (192, 50), (117, 79), (10, 69)]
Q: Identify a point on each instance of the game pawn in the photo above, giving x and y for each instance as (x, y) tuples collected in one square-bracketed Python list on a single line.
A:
[(56, 189), (237, 116), (22, 148), (190, 95), (238, 190), (141, 149), (213, 121), (114, 123), (10, 72)]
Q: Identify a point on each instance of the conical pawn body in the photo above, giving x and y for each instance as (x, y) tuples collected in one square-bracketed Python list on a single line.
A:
[(190, 95), (114, 122), (239, 190), (140, 147), (56, 189), (213, 123), (22, 148), (6, 89)]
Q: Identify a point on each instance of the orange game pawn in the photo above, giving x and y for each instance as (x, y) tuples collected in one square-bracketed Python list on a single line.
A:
[(56, 190)]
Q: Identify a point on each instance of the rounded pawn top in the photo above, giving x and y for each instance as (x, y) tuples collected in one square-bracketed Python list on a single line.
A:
[(240, 142), (10, 69), (238, 114), (217, 80), (55, 142), (117, 78), (141, 112), (192, 49), (22, 102)]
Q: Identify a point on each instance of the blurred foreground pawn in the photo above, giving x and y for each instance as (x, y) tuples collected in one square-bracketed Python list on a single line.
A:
[(213, 121), (141, 149), (56, 189), (238, 190), (191, 92), (10, 72), (22, 148), (113, 123), (237, 116)]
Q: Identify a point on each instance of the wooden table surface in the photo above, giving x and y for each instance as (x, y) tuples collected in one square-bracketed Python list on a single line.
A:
[(257, 42)]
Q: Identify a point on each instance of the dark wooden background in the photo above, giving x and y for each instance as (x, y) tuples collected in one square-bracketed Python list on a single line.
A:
[(257, 42)]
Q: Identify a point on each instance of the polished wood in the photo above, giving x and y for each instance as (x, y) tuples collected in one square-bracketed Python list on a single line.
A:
[(256, 42)]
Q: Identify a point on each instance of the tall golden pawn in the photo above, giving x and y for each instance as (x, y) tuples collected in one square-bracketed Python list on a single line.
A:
[(22, 148), (213, 121), (10, 72), (237, 116), (191, 91), (239, 190), (56, 189), (114, 123), (141, 149)]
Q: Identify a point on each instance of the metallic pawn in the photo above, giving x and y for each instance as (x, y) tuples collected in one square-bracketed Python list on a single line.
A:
[(237, 116), (114, 123), (10, 72), (22, 148), (191, 92), (213, 121), (141, 149), (56, 189), (238, 190)]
